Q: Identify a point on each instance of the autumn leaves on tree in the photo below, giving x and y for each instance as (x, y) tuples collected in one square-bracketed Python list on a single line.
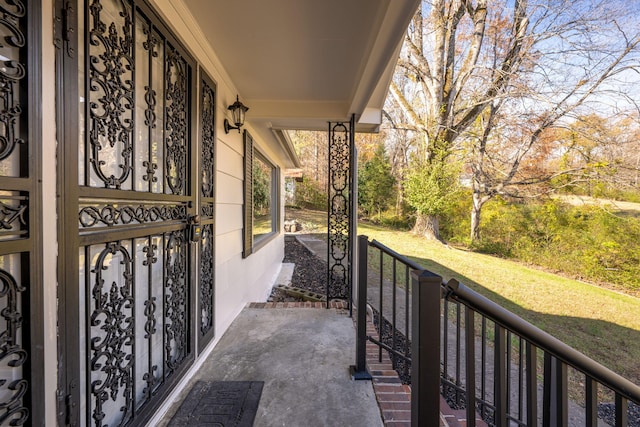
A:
[(483, 88)]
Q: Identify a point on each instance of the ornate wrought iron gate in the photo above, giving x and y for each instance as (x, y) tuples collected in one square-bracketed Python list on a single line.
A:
[(21, 318), (137, 303), (340, 221)]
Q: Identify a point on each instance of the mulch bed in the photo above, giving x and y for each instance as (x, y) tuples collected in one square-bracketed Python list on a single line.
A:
[(310, 272)]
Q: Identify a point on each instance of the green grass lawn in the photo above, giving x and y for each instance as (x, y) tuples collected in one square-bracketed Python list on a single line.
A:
[(600, 323)]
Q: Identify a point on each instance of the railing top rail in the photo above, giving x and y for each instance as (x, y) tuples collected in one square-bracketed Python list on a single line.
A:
[(543, 340), (412, 264)]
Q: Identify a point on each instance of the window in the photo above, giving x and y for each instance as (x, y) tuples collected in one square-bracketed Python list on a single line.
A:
[(261, 198), (263, 218)]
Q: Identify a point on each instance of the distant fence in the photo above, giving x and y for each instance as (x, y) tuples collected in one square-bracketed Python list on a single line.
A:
[(480, 357)]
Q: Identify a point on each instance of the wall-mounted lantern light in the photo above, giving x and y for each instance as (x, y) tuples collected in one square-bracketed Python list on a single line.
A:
[(238, 109)]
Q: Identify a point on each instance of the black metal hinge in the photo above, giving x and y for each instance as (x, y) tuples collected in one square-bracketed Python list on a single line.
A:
[(71, 410), (65, 29), (67, 408)]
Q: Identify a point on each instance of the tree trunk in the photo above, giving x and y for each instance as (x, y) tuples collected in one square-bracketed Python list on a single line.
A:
[(427, 226), (475, 220), (476, 211)]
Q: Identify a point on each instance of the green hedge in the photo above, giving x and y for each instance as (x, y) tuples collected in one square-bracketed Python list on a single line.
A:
[(586, 242)]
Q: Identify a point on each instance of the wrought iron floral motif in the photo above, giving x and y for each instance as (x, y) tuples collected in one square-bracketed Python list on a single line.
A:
[(11, 73), (150, 111), (150, 97), (150, 307), (112, 334), (206, 279), (151, 170), (176, 121), (151, 42), (339, 211), (111, 97), (10, 214), (111, 215), (151, 381), (176, 300), (208, 140), (12, 354), (207, 210)]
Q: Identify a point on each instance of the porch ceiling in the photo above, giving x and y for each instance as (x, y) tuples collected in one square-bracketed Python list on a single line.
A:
[(300, 63)]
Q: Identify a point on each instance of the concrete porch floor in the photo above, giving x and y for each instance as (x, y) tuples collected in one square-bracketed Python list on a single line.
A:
[(303, 356)]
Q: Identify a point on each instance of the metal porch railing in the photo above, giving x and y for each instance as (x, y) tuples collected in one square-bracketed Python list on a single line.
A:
[(452, 341)]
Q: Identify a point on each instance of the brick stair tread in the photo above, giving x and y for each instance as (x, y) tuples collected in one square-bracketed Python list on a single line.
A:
[(457, 417)]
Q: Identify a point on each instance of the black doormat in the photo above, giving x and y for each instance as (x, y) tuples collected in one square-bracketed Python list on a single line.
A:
[(220, 404)]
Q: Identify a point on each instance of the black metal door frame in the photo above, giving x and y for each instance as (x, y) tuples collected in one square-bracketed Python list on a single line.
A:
[(119, 217)]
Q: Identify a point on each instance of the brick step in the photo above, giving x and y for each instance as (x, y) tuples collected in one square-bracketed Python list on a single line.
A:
[(457, 417)]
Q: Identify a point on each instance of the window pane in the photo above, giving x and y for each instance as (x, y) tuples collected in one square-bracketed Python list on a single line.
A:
[(263, 185)]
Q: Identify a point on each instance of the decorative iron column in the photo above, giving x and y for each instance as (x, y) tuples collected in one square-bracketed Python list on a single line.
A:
[(340, 219)]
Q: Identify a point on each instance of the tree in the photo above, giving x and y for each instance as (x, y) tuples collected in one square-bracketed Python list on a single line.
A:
[(450, 89), (376, 184), (261, 188), (430, 188), (485, 78), (602, 151)]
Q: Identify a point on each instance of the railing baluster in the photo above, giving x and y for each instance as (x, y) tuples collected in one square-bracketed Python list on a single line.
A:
[(445, 339), (507, 372), (532, 385), (555, 392), (470, 359), (500, 394), (591, 402), (520, 378), (483, 359), (458, 352), (425, 351), (622, 414), (546, 395), (562, 395), (393, 315), (407, 309), (380, 298)]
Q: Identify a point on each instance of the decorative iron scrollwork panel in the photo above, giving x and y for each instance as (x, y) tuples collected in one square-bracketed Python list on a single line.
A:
[(339, 276), (111, 326), (12, 75), (149, 270), (19, 266), (206, 279), (176, 125), (207, 210), (137, 322), (13, 354), (137, 115), (208, 141), (111, 93), (114, 214), (176, 301)]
